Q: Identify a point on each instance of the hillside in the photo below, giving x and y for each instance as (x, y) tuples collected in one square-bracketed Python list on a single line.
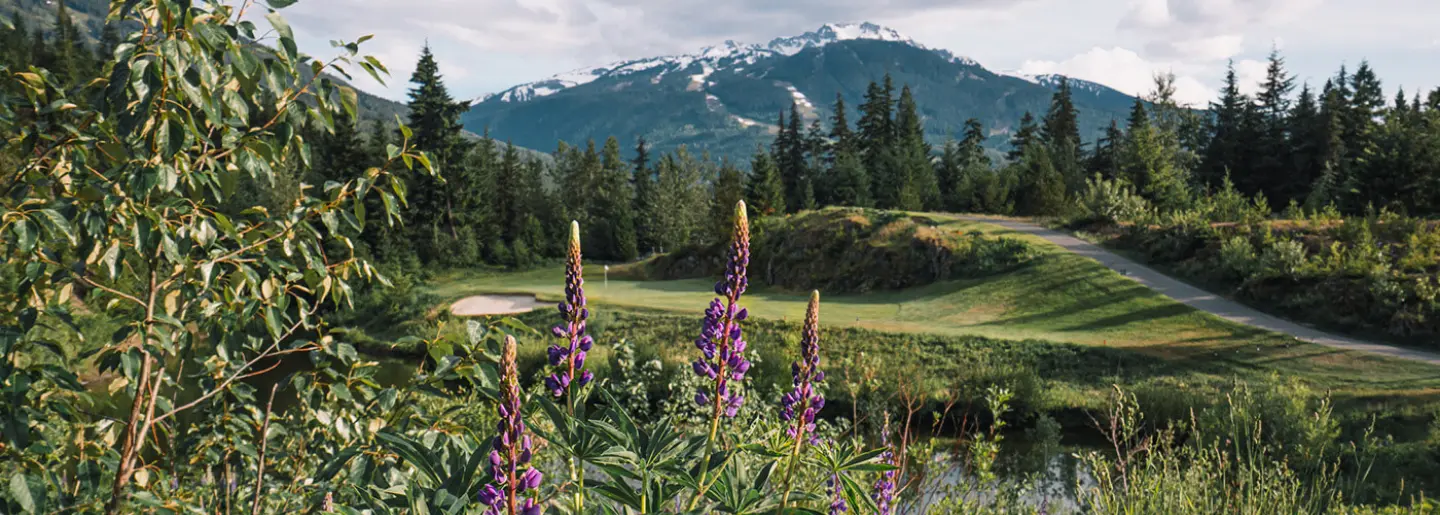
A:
[(848, 251), (725, 99)]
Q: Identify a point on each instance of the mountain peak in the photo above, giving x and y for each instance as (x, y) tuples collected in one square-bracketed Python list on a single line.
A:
[(729, 54), (832, 32)]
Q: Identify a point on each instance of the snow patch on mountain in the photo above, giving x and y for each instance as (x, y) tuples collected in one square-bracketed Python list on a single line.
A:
[(1052, 80), (799, 97)]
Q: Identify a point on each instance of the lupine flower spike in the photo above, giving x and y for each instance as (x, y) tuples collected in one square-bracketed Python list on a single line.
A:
[(804, 401), (567, 358), (510, 471), (884, 494), (721, 344), (720, 340)]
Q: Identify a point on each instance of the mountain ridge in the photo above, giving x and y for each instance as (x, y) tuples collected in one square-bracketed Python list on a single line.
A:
[(724, 98)]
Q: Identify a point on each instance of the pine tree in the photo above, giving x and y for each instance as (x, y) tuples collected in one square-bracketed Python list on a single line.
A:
[(1271, 170), (1360, 133), (610, 233), (918, 175), (729, 190), (435, 121), (851, 183), (949, 172), (876, 132), (1225, 154), (645, 197), (1022, 138), (1042, 189), (1062, 122), (793, 163), (840, 134), (765, 191), (1307, 135), (1106, 159), (1148, 162), (814, 191), (508, 206), (974, 170)]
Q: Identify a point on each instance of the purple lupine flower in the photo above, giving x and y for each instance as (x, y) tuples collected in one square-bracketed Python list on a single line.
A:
[(721, 343), (804, 397), (884, 494), (510, 452), (568, 357), (837, 499)]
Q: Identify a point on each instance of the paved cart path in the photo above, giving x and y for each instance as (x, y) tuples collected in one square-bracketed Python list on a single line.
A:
[(1203, 300)]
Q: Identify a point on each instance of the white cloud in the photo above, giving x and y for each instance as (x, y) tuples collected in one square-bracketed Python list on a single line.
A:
[(1126, 71), (1205, 30), (1250, 73)]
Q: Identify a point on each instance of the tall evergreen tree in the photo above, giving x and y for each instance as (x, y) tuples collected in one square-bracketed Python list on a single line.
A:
[(1042, 189), (1106, 159), (728, 191), (1308, 132), (918, 174), (1360, 134), (1271, 170), (876, 131), (850, 182), (840, 134), (1226, 153), (765, 191), (646, 201), (435, 121), (1023, 136), (1062, 122), (794, 163), (610, 233)]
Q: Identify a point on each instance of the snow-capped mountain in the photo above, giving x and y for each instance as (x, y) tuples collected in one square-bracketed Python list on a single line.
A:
[(725, 99), (728, 55), (1052, 80)]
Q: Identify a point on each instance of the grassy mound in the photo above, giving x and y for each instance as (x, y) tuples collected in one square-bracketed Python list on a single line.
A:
[(849, 251)]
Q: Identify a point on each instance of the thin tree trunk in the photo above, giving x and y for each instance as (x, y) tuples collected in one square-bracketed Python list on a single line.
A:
[(132, 443), (264, 443)]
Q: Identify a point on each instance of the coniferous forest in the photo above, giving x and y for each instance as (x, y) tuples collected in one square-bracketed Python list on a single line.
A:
[(223, 283)]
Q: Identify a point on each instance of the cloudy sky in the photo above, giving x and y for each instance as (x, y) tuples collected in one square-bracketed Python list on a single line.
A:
[(489, 45)]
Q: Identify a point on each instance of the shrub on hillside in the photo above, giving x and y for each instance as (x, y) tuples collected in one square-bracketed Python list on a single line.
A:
[(1110, 200)]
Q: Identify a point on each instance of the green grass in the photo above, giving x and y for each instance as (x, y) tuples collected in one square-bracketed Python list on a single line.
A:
[(1061, 298)]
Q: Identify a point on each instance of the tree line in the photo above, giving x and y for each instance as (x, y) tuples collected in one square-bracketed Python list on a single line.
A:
[(1340, 146)]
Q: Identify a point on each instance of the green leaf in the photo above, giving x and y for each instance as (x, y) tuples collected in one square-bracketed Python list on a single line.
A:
[(349, 99), (25, 235), (280, 4), (111, 259), (59, 223), (20, 491), (281, 26)]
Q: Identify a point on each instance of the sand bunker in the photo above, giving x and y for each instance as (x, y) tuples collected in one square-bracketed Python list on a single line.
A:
[(481, 305)]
